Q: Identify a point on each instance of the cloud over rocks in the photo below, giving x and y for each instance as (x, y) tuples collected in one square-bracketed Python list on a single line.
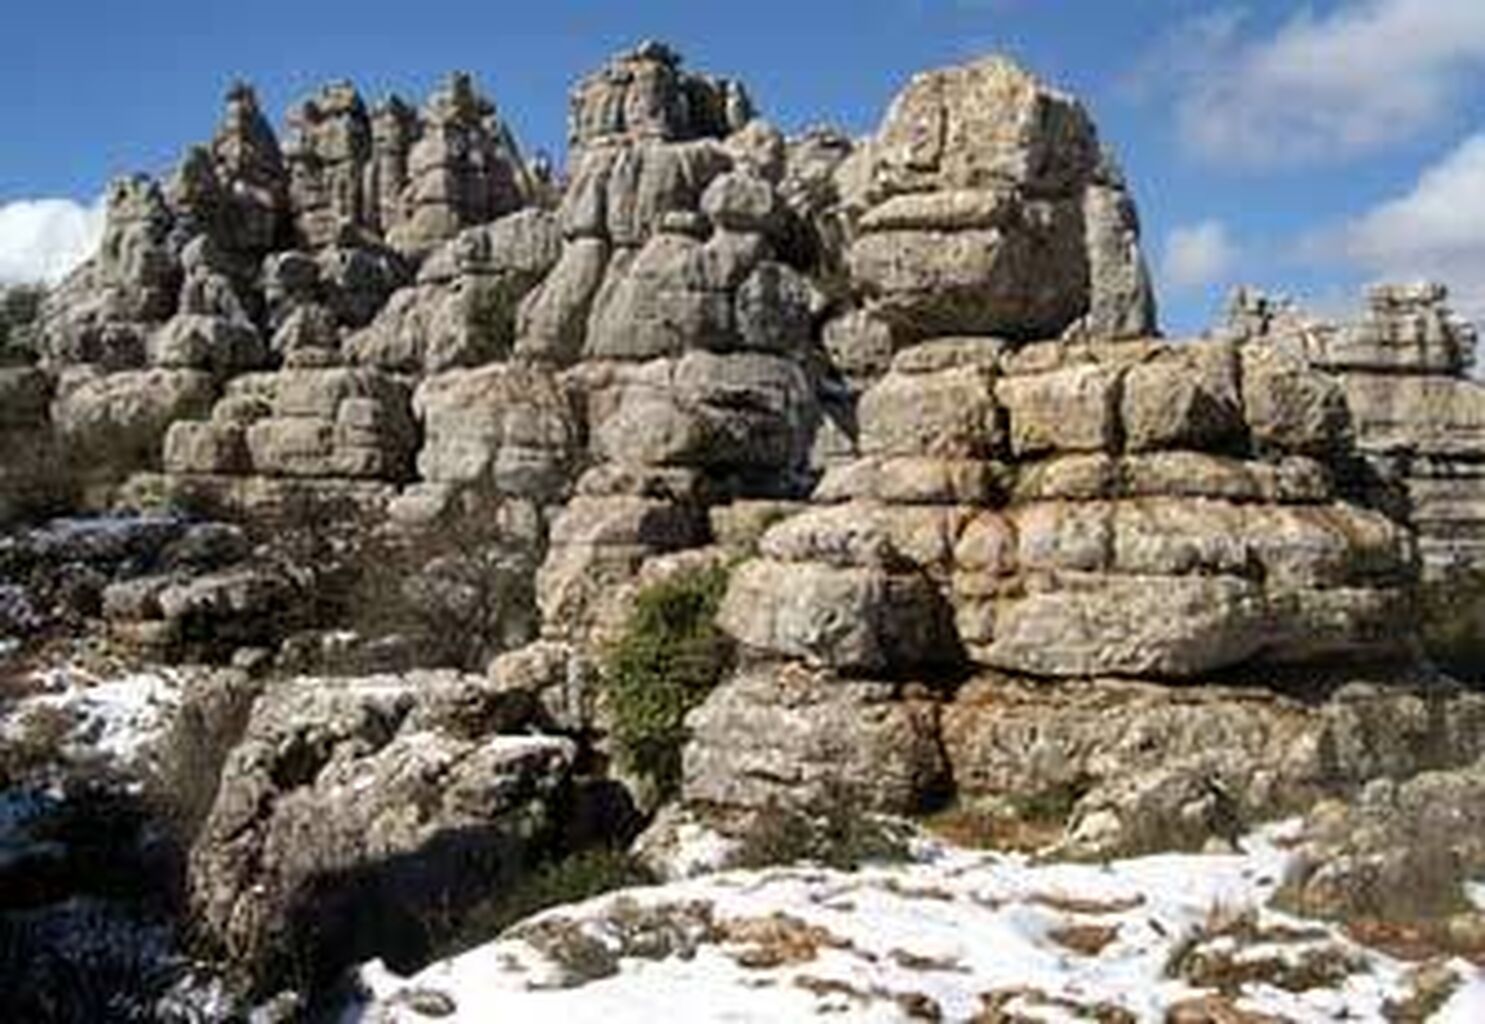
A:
[(1435, 230), (42, 239), (1197, 254), (1320, 87)]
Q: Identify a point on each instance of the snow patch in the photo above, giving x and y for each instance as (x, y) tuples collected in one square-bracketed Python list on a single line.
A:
[(869, 945)]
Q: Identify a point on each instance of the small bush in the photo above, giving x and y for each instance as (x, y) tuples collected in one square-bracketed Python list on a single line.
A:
[(837, 830), (669, 657), (576, 877), (457, 593), (20, 306)]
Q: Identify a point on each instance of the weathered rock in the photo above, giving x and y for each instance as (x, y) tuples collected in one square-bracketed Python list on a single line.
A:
[(1400, 856), (114, 424), (644, 95), (344, 816), (784, 736), (327, 153), (738, 412), (1122, 760), (854, 618), (463, 311), (506, 428), (988, 208), (463, 169)]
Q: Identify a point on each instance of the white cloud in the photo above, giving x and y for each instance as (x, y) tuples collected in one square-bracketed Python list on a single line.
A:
[(1197, 254), (1436, 230), (42, 239), (1361, 77)]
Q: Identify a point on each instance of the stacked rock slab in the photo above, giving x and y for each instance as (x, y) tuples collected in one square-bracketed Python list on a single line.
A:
[(335, 434), (1420, 423), (463, 169), (1100, 505), (673, 321), (985, 205)]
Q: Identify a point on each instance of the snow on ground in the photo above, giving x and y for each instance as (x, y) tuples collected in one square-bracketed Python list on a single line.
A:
[(943, 938), (116, 720)]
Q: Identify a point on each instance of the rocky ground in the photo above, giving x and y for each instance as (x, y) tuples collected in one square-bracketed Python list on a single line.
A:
[(954, 935)]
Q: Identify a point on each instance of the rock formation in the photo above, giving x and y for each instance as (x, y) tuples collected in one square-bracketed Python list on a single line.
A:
[(1418, 415), (990, 538)]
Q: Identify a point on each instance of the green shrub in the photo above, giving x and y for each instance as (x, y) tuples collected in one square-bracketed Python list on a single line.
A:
[(576, 877), (837, 830), (20, 306), (669, 657)]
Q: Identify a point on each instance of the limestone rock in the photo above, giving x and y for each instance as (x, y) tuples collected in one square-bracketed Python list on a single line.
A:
[(1122, 759), (463, 311), (785, 736), (339, 809), (506, 428), (463, 169), (644, 95), (116, 422), (989, 208), (1400, 855)]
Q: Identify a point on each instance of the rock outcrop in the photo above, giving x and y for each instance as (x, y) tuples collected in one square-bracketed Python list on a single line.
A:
[(990, 539), (986, 205), (350, 807), (1418, 419)]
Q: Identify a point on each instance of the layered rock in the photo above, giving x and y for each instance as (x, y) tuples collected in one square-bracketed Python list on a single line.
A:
[(679, 327), (1404, 371), (1134, 767), (463, 169), (103, 311), (328, 153), (985, 205), (336, 433), (462, 310), (1086, 509)]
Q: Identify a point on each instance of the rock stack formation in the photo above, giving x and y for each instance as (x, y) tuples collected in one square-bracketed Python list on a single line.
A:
[(993, 538), (1418, 419)]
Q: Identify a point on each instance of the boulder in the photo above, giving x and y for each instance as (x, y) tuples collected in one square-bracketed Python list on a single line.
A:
[(347, 814), (783, 736), (988, 207)]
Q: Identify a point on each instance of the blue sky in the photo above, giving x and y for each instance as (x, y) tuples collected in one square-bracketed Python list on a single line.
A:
[(1304, 149)]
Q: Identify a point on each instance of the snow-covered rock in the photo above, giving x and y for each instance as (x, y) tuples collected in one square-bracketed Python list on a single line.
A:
[(956, 935)]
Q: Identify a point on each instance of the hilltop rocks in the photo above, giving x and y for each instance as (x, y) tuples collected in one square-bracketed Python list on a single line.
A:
[(103, 311), (462, 170), (987, 207), (1401, 372), (351, 806), (644, 95), (327, 153)]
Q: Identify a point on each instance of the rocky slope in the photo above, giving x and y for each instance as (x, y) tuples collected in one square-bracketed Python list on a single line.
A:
[(420, 429)]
